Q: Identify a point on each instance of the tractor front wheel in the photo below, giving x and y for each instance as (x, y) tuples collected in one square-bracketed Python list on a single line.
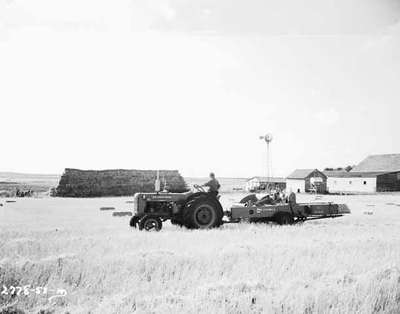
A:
[(149, 223), (134, 221)]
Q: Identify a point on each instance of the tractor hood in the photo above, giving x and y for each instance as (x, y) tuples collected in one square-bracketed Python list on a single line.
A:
[(162, 196), (140, 199)]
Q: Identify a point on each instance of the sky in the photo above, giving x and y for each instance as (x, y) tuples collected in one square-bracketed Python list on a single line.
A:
[(192, 85)]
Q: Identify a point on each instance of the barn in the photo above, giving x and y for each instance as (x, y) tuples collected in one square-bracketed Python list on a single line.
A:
[(306, 180), (376, 173), (261, 183)]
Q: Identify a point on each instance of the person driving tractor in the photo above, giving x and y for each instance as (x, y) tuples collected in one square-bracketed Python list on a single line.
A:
[(213, 185)]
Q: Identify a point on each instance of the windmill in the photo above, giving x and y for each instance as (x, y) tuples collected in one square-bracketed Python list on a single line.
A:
[(268, 139)]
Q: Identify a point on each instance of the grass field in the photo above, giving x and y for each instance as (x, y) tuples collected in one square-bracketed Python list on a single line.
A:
[(345, 265)]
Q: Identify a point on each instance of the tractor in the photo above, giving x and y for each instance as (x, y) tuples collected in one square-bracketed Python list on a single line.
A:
[(198, 209), (195, 209)]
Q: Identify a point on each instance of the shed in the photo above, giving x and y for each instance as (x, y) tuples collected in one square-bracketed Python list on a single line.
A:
[(352, 182), (306, 180), (262, 183)]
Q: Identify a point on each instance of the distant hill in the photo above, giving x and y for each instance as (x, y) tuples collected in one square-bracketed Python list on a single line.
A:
[(17, 176), (11, 181)]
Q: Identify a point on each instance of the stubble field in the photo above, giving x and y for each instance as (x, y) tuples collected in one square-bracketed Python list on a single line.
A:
[(345, 265)]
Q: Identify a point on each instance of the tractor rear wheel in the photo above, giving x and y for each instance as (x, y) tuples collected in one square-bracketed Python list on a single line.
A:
[(149, 223), (284, 219), (202, 213)]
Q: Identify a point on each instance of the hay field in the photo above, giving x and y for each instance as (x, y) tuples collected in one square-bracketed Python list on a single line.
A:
[(345, 265)]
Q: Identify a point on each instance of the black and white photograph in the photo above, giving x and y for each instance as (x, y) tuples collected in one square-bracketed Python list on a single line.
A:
[(219, 157)]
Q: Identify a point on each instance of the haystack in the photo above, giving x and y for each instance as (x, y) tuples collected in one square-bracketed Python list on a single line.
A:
[(119, 182)]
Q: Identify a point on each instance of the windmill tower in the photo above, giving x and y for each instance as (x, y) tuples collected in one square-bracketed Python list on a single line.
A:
[(268, 139)]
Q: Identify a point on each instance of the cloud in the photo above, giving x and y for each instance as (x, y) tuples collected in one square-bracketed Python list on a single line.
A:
[(283, 17), (63, 15), (327, 117), (387, 36), (167, 11), (267, 17)]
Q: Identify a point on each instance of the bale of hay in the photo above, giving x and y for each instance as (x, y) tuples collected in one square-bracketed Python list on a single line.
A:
[(121, 214), (119, 182), (107, 208)]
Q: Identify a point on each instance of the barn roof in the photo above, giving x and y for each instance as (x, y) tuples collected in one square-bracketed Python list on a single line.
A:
[(334, 173), (301, 173), (379, 163)]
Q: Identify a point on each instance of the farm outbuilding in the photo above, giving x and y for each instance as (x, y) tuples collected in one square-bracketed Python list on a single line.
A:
[(305, 180), (376, 173), (347, 182), (364, 182), (261, 183)]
